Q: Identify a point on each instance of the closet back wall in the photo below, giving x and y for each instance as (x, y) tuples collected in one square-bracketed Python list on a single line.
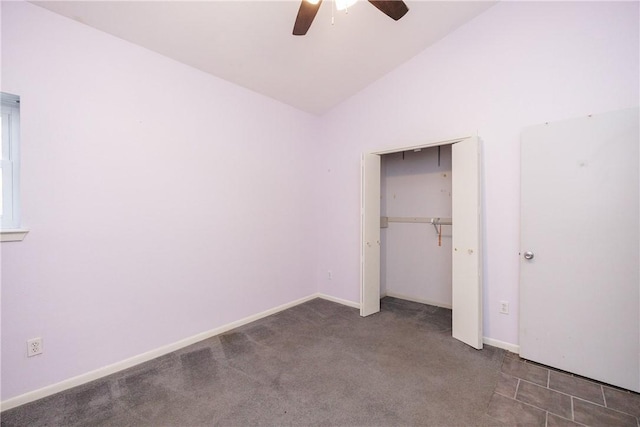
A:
[(413, 265), (162, 202)]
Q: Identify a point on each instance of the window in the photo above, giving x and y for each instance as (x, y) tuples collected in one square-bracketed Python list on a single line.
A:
[(9, 170)]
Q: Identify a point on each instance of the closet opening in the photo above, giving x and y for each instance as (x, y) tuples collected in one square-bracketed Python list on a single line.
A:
[(420, 235), (416, 226)]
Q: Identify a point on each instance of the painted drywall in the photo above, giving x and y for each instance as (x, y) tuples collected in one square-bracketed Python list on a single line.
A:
[(162, 202), (415, 263), (518, 64)]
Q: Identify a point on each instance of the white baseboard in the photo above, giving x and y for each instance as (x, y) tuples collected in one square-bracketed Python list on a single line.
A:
[(144, 357), (414, 299), (339, 300), (513, 348)]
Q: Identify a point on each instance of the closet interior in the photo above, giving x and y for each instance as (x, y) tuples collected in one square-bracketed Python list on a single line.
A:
[(416, 231)]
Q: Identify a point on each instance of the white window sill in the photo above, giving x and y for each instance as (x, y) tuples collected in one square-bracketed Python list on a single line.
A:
[(13, 235)]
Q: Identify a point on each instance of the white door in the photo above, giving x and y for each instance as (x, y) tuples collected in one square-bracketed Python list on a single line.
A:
[(580, 281), (467, 260), (370, 235)]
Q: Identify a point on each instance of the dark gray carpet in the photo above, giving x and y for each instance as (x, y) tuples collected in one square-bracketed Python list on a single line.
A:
[(318, 363)]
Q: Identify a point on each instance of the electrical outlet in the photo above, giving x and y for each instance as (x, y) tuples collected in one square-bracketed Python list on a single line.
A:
[(504, 307), (34, 347), (329, 275)]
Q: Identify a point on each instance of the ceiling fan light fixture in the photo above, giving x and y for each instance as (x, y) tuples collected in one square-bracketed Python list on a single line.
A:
[(394, 9), (344, 4)]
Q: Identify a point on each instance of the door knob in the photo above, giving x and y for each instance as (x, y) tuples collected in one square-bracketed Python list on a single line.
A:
[(528, 255)]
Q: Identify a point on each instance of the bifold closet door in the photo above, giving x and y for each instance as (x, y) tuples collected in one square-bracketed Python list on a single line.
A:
[(467, 259), (370, 235), (579, 264)]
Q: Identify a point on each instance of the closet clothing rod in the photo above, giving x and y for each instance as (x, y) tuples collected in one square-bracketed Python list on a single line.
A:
[(428, 220), (385, 220)]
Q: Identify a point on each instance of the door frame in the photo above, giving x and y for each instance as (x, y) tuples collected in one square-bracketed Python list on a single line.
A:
[(366, 291)]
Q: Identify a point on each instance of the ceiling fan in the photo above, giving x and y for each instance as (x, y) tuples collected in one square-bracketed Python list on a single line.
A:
[(394, 9)]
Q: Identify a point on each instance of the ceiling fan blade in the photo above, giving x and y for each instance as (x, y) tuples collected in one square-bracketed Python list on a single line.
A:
[(394, 9), (306, 13)]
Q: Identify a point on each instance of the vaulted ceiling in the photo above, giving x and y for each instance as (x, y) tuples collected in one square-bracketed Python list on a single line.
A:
[(250, 43)]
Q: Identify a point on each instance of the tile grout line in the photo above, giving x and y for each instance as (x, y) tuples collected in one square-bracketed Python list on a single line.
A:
[(527, 404), (584, 399), (602, 406), (561, 392), (572, 397), (604, 398), (546, 419), (572, 412), (573, 415), (576, 376), (539, 408)]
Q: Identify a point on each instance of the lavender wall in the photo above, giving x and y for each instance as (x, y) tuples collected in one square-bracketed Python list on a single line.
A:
[(162, 202), (518, 64)]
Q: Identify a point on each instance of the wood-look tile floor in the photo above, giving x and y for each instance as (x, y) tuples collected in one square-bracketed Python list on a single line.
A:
[(531, 394)]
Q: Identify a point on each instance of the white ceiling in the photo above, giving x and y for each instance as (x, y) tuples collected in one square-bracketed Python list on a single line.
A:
[(250, 42)]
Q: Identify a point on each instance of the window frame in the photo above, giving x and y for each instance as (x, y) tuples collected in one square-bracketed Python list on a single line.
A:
[(10, 227)]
